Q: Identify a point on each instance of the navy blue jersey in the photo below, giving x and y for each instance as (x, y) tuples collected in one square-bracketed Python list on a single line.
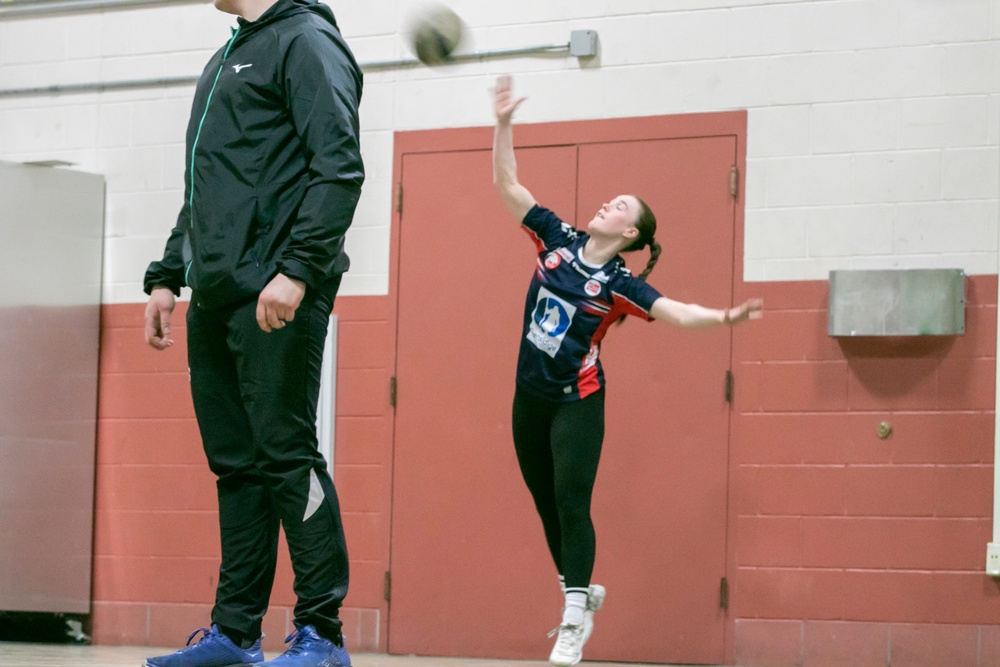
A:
[(569, 307)]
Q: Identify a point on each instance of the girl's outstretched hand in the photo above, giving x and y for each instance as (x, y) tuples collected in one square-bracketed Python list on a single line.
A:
[(504, 104), (748, 310)]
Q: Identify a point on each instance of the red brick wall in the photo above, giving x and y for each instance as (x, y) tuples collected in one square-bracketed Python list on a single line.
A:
[(156, 547), (845, 549), (848, 549)]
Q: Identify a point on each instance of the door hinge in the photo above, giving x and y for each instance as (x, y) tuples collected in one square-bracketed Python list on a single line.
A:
[(397, 198), (729, 387), (734, 180), (392, 391), (387, 586), (724, 594)]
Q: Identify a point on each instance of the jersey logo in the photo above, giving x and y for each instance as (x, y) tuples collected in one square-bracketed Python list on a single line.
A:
[(239, 67), (592, 288), (549, 322), (552, 260)]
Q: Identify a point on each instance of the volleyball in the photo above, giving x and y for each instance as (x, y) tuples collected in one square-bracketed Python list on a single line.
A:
[(435, 34)]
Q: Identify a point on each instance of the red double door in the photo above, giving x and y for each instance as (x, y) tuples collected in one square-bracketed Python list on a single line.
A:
[(471, 575)]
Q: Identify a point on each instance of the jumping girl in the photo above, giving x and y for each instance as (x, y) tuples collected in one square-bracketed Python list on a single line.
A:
[(579, 289)]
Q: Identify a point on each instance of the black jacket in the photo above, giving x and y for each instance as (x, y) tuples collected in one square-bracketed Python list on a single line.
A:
[(273, 168)]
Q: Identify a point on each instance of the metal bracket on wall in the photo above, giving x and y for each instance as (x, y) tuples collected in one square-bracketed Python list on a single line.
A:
[(582, 44)]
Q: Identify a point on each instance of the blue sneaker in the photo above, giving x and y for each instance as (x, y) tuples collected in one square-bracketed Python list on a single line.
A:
[(214, 649), (310, 650)]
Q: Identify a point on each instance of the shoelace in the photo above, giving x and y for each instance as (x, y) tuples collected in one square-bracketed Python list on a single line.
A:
[(567, 638), (207, 634), (298, 643)]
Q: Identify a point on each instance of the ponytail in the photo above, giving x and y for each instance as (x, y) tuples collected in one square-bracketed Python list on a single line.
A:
[(646, 224), (654, 254)]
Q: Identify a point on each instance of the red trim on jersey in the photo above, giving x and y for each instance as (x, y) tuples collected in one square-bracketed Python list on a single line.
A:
[(609, 318), (587, 383), (535, 237), (629, 307)]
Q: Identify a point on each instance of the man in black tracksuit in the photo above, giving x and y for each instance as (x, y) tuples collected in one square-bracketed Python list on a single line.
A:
[(273, 175)]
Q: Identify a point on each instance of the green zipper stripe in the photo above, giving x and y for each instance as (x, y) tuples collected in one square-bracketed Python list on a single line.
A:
[(205, 113), (198, 136)]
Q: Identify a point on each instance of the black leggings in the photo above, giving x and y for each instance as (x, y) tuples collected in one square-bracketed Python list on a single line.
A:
[(558, 448)]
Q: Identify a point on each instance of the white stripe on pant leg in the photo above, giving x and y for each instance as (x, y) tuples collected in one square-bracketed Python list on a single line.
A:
[(315, 496)]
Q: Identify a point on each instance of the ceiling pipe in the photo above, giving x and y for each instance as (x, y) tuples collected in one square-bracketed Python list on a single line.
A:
[(582, 44), (28, 8)]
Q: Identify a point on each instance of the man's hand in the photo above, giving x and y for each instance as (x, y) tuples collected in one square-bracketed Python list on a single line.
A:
[(158, 312), (277, 304)]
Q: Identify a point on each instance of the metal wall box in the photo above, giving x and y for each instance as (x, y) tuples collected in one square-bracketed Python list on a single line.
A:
[(583, 43), (901, 302)]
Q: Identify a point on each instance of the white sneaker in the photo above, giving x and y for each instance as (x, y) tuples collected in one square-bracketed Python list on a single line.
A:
[(569, 646), (595, 598)]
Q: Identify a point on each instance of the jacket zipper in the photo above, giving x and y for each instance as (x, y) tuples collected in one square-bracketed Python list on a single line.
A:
[(197, 136)]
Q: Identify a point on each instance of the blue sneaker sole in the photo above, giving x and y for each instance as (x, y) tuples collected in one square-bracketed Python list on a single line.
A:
[(235, 664)]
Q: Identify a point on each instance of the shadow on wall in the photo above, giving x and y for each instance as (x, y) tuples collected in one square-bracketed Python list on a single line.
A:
[(893, 366)]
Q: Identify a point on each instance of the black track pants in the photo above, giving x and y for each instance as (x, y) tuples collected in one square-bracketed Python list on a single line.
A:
[(558, 448), (255, 397)]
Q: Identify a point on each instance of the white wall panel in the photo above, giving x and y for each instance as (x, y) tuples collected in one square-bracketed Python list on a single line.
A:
[(158, 122), (79, 125), (684, 36), (779, 131), (993, 126), (944, 122), (127, 257), (133, 170), (945, 227), (806, 181), (973, 263), (821, 77), (850, 231), (771, 29), (934, 22), (114, 125), (794, 269), (172, 166), (775, 233), (863, 24), (632, 91), (625, 40), (895, 177), (971, 173), (727, 84), (972, 68), (892, 73), (25, 130), (850, 127), (34, 41), (873, 125), (376, 150), (142, 214)]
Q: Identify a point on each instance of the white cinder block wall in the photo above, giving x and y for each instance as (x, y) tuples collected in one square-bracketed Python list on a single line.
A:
[(874, 125)]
